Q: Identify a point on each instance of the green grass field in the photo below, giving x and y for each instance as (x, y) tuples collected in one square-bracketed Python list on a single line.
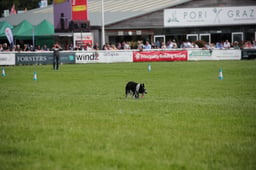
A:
[(78, 118)]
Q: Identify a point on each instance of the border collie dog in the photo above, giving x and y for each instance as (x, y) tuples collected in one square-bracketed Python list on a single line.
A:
[(135, 89)]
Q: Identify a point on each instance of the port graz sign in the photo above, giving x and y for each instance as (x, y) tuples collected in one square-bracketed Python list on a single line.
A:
[(188, 17)]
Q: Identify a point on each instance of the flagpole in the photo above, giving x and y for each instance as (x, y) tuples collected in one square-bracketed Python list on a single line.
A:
[(103, 23), (33, 37)]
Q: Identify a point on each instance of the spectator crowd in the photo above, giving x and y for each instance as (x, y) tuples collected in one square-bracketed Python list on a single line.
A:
[(139, 45)]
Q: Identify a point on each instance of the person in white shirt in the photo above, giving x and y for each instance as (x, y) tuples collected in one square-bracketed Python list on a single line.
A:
[(226, 44)]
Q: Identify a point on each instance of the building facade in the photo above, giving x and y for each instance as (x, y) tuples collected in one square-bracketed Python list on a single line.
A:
[(212, 21), (132, 20)]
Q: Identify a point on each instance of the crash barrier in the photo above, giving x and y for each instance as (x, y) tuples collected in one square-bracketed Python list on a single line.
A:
[(85, 57)]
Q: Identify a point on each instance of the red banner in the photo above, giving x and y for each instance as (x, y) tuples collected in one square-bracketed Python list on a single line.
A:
[(145, 56), (79, 10)]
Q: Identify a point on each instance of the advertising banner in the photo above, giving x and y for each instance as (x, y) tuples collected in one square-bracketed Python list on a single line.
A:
[(227, 54), (43, 58), (160, 56), (199, 54), (103, 57), (33, 58), (249, 53), (9, 35), (115, 56), (67, 57), (7, 59), (79, 10), (83, 39), (187, 17)]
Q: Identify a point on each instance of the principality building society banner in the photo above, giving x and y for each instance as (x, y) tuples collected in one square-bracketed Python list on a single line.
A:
[(148, 56), (187, 17)]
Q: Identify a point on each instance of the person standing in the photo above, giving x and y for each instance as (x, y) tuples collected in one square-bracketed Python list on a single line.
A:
[(56, 56)]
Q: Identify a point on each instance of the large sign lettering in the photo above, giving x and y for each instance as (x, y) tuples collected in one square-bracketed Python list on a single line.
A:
[(33, 58), (187, 17), (87, 57)]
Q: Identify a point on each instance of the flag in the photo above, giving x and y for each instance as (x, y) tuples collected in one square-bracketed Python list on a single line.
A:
[(79, 10), (43, 3), (8, 33), (13, 10)]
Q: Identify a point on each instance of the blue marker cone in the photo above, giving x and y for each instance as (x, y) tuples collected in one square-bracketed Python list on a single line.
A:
[(3, 72), (220, 74), (149, 67), (35, 76)]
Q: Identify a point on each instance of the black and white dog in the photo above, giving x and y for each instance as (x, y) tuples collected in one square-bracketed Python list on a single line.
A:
[(135, 89)]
